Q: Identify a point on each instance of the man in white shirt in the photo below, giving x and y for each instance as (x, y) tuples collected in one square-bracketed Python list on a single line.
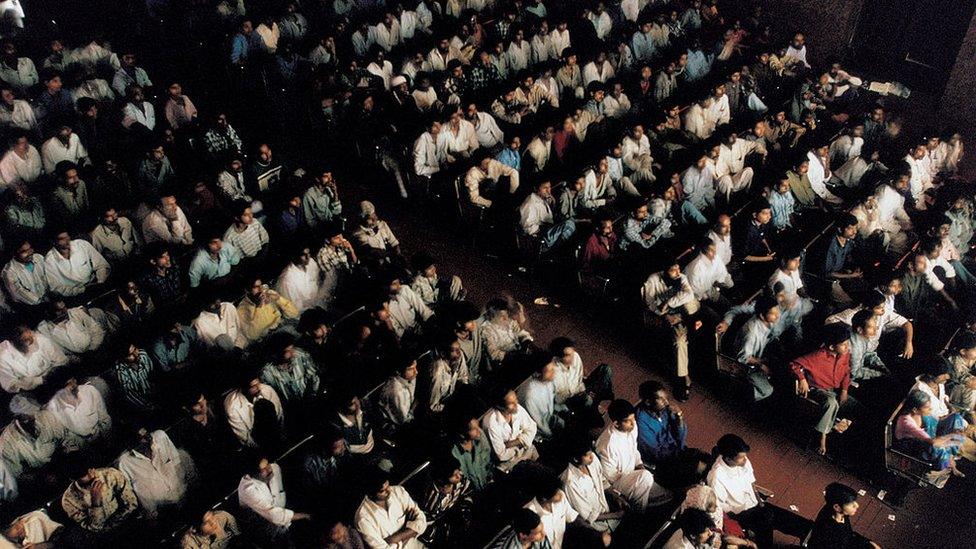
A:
[(797, 51), (73, 266), (81, 410), (731, 173), (262, 492), (24, 278), (636, 154), (485, 127), (64, 146), (536, 218), (553, 509), (819, 174), (538, 395), (26, 358), (74, 330), (388, 517), (721, 236), (217, 326), (797, 305), (428, 152), (398, 396), (21, 164), (239, 407), (698, 183), (622, 463), (732, 478), (447, 372), (511, 431), (483, 178), (586, 489), (669, 298), (708, 276), (160, 473), (571, 388), (166, 222), (29, 441), (299, 281)]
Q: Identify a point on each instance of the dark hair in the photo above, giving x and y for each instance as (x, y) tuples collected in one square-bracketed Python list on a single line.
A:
[(547, 487), (764, 304), (695, 521), (730, 445), (845, 220), (861, 318), (649, 388), (559, 344), (443, 469), (839, 494), (524, 521), (619, 410), (872, 299), (375, 480), (915, 400)]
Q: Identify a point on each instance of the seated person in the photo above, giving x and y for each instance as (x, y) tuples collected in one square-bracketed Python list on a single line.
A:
[(641, 231), (501, 333), (350, 420), (708, 276), (131, 308), (751, 343), (74, 266), (669, 299), (246, 234), (136, 380), (550, 502), (921, 289), (483, 180), (24, 215), (166, 222), (525, 530), (213, 262), (661, 428), (217, 326), (30, 440), (326, 465), (291, 372), (919, 433), (798, 305), (865, 363), (732, 479), (162, 280), (963, 358), (782, 203), (215, 529), (373, 238), (572, 389), (99, 500), (538, 395), (23, 276), (701, 497), (115, 237), (160, 473), (472, 449), (433, 290), (174, 349), (406, 312), (34, 529), (73, 330), (239, 408), (388, 516), (26, 359), (622, 464), (754, 247), (587, 491), (839, 267), (262, 497), (398, 396), (511, 431), (536, 218), (832, 528), (81, 412), (262, 311), (666, 203), (300, 282), (825, 377), (336, 260), (447, 490), (600, 249), (696, 530)]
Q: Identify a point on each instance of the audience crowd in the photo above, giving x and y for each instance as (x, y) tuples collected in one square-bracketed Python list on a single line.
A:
[(195, 300)]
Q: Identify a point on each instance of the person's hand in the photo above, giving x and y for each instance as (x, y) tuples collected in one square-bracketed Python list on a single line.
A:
[(673, 319), (764, 368), (301, 516), (843, 396), (96, 493), (908, 351), (803, 388), (606, 538), (674, 409), (858, 273), (721, 327)]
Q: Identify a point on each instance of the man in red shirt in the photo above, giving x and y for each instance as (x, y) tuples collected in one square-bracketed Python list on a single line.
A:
[(600, 248), (825, 376)]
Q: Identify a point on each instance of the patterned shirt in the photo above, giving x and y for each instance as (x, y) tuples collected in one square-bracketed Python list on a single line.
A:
[(330, 258), (135, 381), (221, 141), (163, 289), (296, 383)]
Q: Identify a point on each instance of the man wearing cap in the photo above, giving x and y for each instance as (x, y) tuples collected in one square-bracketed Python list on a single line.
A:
[(825, 376)]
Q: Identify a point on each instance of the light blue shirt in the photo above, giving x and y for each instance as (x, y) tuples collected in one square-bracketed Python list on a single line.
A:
[(752, 339), (539, 400), (643, 46), (782, 207), (204, 267), (698, 66), (510, 158)]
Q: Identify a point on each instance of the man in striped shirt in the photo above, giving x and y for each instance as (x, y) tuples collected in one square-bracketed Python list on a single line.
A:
[(246, 233)]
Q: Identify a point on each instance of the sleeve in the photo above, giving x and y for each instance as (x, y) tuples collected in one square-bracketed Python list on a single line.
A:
[(370, 530), (497, 441), (799, 367), (580, 505), (55, 282), (194, 273), (419, 524), (94, 329), (122, 489), (278, 516), (683, 297), (418, 160), (98, 263), (438, 389), (608, 461), (749, 344), (530, 221), (471, 181), (418, 304), (531, 428), (236, 423), (288, 309)]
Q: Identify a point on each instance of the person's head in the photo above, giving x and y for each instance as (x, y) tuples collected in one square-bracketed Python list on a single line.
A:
[(562, 349), (135, 94), (377, 485), (696, 526), (965, 345), (548, 490), (837, 338), (194, 402), (918, 402), (652, 393), (621, 414), (348, 404), (507, 401), (62, 242), (214, 244), (732, 450), (496, 310), (468, 429), (406, 367), (640, 211), (762, 212), (250, 385), (543, 188), (865, 323), (545, 370), (446, 474), (156, 153), (938, 371), (262, 469), (723, 225), (789, 260), (783, 186), (528, 527), (579, 450), (242, 213), (24, 253), (846, 226), (841, 499), (52, 82), (22, 337), (68, 173), (58, 310), (767, 308)]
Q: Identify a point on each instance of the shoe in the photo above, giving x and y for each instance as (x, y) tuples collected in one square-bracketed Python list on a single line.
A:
[(683, 394)]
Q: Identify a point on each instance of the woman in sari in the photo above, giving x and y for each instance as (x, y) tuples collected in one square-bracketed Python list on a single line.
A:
[(917, 432)]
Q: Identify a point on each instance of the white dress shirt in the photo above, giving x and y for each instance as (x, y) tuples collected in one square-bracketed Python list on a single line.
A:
[(397, 399), (72, 275), (14, 169), (26, 286), (25, 371), (487, 131), (533, 213), (53, 152), (554, 520), (162, 480), (568, 380), (723, 246), (428, 155), (819, 174), (444, 380), (301, 285), (586, 492), (377, 522), (157, 228), (83, 415), (733, 486), (240, 412), (703, 274), (500, 431), (266, 499), (77, 334), (209, 326), (623, 468)]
